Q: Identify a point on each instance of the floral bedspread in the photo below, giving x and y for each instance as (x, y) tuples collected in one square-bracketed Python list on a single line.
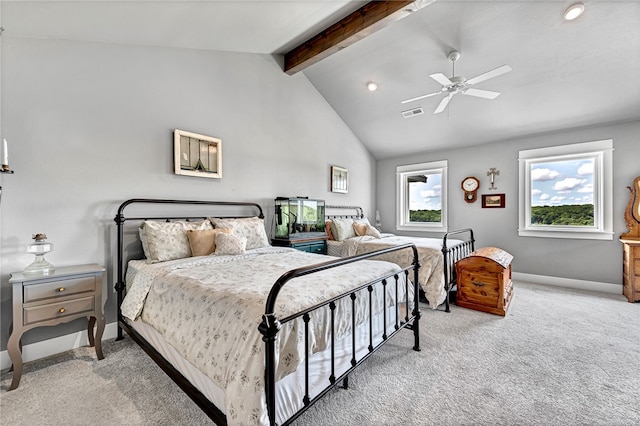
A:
[(431, 272), (209, 309)]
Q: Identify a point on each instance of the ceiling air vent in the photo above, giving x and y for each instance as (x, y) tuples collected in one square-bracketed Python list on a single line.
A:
[(412, 112)]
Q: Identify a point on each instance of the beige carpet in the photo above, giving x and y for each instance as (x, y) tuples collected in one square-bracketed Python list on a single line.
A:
[(559, 357)]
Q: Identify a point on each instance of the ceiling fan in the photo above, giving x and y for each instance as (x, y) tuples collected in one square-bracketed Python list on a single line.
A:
[(457, 84)]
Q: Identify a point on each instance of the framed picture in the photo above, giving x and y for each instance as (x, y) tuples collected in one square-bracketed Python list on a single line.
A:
[(339, 179), (493, 201), (197, 155)]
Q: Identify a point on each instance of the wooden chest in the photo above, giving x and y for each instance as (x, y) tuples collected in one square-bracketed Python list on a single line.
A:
[(484, 281)]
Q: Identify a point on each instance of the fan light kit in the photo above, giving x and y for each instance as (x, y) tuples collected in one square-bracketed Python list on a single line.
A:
[(457, 84), (573, 11)]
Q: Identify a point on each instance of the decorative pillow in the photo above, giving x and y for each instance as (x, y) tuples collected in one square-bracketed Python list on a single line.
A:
[(251, 228), (362, 229), (327, 227), (202, 242), (230, 244), (342, 229), (168, 240)]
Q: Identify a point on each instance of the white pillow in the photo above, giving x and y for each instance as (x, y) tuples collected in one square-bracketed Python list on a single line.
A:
[(230, 244), (341, 229), (251, 228), (362, 229), (168, 240)]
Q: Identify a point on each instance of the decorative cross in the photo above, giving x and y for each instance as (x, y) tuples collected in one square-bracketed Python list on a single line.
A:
[(493, 173)]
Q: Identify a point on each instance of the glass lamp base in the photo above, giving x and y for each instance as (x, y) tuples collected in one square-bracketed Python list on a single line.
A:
[(40, 266)]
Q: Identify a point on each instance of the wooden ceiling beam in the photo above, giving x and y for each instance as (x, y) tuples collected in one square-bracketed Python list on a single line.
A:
[(370, 18)]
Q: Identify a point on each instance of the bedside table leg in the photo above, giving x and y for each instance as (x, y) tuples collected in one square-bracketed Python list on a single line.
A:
[(97, 341), (13, 348)]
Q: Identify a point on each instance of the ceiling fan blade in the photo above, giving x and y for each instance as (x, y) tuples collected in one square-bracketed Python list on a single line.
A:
[(487, 94), (489, 74), (406, 101), (443, 104), (441, 78)]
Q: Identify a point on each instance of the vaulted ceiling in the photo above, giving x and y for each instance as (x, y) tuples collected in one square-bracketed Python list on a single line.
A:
[(565, 74)]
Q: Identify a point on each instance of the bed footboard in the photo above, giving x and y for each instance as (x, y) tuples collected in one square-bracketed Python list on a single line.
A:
[(271, 325), (452, 254)]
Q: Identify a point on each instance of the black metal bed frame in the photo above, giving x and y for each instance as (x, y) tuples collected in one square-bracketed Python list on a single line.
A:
[(451, 254), (271, 324)]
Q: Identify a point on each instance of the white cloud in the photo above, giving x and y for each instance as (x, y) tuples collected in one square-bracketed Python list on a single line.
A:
[(556, 199), (586, 189), (586, 169), (544, 197), (568, 184), (544, 174), (429, 193), (536, 192)]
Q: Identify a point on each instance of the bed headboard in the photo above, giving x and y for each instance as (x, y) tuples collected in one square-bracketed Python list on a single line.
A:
[(140, 209), (356, 212)]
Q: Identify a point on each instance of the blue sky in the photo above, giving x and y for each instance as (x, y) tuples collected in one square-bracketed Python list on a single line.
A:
[(426, 196), (562, 182)]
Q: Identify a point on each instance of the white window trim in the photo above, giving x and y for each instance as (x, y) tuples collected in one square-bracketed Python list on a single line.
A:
[(402, 219), (603, 190)]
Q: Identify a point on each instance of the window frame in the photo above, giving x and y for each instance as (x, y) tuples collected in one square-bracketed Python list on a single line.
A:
[(402, 197), (602, 154)]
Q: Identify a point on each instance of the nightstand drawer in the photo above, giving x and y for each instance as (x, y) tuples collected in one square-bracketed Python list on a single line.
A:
[(58, 310), (62, 288)]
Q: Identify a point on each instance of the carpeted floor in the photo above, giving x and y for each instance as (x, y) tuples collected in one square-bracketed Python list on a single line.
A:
[(559, 357)]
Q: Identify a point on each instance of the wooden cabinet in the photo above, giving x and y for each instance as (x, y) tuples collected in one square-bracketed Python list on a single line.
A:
[(631, 245), (64, 295), (484, 281), (312, 245), (631, 269)]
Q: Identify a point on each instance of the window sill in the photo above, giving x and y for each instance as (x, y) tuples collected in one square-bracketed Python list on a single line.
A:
[(578, 235), (422, 228)]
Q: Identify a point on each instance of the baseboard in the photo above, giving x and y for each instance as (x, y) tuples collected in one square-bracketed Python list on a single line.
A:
[(568, 282), (56, 345)]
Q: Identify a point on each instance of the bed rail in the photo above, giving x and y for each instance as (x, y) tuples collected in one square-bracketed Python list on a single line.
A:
[(452, 255), (271, 325), (357, 212)]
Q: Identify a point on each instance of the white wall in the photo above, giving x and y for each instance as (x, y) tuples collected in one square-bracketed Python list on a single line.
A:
[(588, 260), (90, 125)]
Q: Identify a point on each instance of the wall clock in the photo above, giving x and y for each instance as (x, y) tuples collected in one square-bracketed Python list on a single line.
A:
[(470, 187)]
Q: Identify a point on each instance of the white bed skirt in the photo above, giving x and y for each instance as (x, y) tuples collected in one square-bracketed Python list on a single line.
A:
[(290, 389)]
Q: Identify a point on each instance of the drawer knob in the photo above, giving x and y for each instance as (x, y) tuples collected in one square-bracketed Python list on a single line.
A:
[(61, 310), (61, 289), (477, 284)]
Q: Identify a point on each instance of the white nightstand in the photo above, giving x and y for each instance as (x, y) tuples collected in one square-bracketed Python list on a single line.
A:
[(66, 294)]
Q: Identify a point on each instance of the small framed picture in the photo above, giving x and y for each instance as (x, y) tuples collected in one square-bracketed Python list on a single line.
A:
[(493, 201), (339, 179), (197, 155)]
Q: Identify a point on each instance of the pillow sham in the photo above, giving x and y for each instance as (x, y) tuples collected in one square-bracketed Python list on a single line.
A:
[(168, 240), (362, 229), (229, 244), (251, 228), (342, 228), (202, 242), (327, 227)]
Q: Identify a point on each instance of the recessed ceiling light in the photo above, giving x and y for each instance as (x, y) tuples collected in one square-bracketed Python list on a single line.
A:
[(372, 86), (573, 11)]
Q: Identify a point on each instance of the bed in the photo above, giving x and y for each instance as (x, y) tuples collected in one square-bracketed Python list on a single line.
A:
[(437, 256), (253, 336)]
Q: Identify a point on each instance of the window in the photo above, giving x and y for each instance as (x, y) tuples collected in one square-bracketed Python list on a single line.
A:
[(421, 197), (566, 191)]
